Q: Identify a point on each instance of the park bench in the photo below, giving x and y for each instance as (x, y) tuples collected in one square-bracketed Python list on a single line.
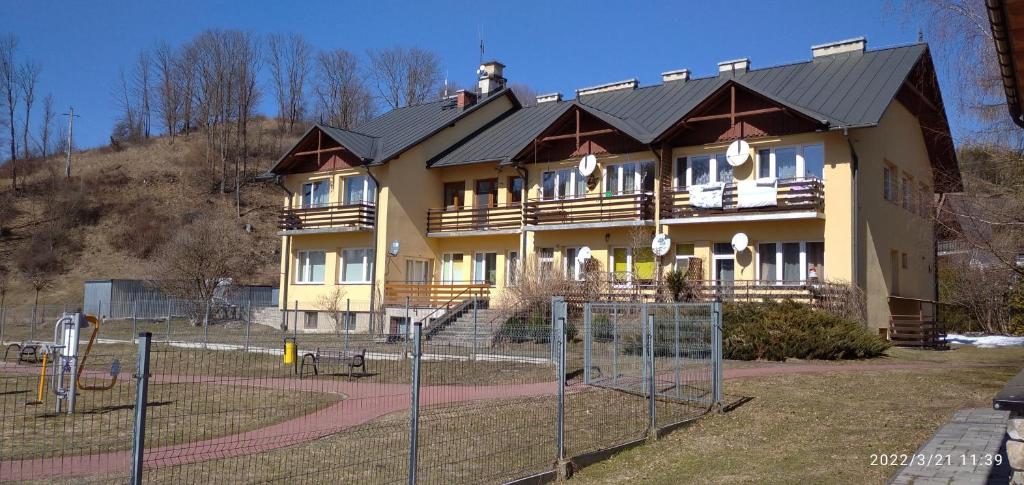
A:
[(349, 358), (27, 348)]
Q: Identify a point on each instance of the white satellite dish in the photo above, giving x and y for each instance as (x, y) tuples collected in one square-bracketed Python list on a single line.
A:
[(584, 254), (738, 153), (739, 242), (587, 165), (660, 245)]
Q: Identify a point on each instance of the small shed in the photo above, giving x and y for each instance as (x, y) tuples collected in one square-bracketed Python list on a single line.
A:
[(116, 298)]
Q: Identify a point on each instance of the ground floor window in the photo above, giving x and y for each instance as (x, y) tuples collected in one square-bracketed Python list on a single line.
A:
[(546, 260), (310, 321), (485, 268), (451, 268), (684, 253), (417, 271), (573, 267), (723, 263), (790, 262), (310, 267), (512, 267), (356, 265), (629, 264)]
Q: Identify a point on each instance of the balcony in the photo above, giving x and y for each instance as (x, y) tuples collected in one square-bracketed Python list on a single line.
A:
[(598, 210), (787, 199), (327, 218), (432, 295), (474, 220)]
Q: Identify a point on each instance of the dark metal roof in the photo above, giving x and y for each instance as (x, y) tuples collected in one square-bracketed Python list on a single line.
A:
[(402, 128), (363, 146), (841, 91)]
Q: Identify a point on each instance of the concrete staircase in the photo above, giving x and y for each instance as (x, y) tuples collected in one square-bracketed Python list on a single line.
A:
[(460, 332)]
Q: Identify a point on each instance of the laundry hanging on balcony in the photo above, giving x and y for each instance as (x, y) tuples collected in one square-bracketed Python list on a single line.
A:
[(707, 196), (762, 192)]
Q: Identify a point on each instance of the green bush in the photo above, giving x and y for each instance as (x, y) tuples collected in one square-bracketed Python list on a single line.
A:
[(782, 330), (531, 329)]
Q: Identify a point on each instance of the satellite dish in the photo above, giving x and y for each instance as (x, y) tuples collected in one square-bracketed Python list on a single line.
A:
[(738, 153), (587, 165), (660, 245), (739, 242), (584, 254)]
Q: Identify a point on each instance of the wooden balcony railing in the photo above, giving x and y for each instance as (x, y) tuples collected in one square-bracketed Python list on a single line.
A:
[(358, 216), (432, 294), (474, 218), (590, 209), (793, 195)]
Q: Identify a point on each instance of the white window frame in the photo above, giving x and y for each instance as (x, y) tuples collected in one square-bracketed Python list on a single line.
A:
[(368, 196), (801, 167), (545, 260), (483, 279), (573, 174), (638, 178), (448, 266), (721, 257), (304, 272), (512, 265), (576, 268), (367, 265), (410, 262), (311, 184), (714, 159), (889, 182), (777, 279), (629, 264), (685, 257)]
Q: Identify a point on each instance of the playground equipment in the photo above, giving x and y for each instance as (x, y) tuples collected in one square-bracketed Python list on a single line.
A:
[(63, 355)]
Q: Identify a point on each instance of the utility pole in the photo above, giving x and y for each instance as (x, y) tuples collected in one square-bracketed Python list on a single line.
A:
[(71, 130)]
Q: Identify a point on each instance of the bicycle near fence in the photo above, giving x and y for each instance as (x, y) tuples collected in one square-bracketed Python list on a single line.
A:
[(525, 388)]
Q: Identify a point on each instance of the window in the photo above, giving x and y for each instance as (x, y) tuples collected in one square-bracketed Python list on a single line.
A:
[(888, 183), (546, 259), (628, 265), (316, 194), (417, 271), (790, 262), (485, 268), (451, 268), (904, 261), (905, 188), (356, 265), (767, 267), (571, 262), (629, 178), (453, 193), (309, 267), (515, 190), (563, 183), (724, 264), (512, 267), (310, 320), (359, 189), (486, 193), (683, 254), (348, 321), (805, 161), (702, 169)]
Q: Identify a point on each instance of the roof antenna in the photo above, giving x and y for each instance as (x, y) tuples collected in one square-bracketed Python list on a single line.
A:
[(480, 72), (445, 96)]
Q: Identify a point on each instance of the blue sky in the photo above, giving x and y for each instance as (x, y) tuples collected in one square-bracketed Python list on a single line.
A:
[(552, 46)]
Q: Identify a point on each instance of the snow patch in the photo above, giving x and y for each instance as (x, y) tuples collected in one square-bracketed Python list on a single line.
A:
[(985, 341)]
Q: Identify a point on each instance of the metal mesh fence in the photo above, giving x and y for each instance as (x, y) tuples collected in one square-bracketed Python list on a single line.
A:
[(238, 400)]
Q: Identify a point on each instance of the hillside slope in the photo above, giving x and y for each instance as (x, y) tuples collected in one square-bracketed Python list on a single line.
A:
[(123, 204)]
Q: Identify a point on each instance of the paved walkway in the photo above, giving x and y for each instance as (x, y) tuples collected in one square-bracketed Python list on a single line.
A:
[(966, 446), (363, 402)]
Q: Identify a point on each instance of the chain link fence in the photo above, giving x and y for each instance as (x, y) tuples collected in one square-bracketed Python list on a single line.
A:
[(472, 394)]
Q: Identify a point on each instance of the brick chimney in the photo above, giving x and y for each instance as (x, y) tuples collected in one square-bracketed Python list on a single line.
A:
[(464, 99)]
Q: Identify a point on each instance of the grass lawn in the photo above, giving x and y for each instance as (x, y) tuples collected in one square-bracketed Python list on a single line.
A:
[(818, 428)]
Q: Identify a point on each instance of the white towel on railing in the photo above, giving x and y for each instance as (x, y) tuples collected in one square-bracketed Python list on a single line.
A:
[(762, 192), (707, 196)]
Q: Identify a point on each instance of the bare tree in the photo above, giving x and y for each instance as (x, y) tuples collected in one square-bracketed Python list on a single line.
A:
[(9, 90), (185, 80), (526, 94), (46, 127), (342, 96), (141, 85), (41, 260), (248, 61), (289, 56), (334, 304), (128, 126), (405, 76), (28, 78), (169, 93)]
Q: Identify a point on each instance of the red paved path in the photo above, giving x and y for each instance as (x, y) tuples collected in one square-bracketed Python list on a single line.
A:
[(363, 402)]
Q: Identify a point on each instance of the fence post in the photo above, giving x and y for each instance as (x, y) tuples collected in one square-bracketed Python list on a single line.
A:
[(141, 395), (405, 338), (615, 344), (474, 327), (135, 317), (347, 326), (33, 331), (587, 344), (206, 324), (248, 319), (3, 322), (168, 339), (652, 408), (414, 407), (558, 316), (678, 364), (716, 355), (295, 325)]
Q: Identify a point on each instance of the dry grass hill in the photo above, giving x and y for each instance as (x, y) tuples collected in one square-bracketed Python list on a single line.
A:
[(123, 204)]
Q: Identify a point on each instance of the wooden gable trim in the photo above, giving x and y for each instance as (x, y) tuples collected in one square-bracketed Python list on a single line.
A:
[(327, 154)]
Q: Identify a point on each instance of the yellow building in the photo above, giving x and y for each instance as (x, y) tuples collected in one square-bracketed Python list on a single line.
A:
[(842, 157)]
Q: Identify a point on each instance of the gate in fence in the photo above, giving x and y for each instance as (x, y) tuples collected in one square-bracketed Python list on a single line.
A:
[(552, 383)]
